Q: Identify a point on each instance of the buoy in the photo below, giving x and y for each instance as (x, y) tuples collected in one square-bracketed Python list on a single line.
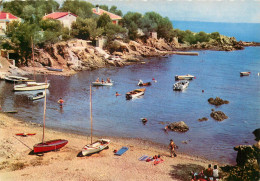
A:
[(202, 90)]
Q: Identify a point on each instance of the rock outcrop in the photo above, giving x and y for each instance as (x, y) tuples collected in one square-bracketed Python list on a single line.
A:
[(180, 126), (218, 115), (217, 101)]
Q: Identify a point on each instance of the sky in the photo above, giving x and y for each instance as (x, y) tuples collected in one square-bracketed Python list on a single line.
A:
[(242, 11)]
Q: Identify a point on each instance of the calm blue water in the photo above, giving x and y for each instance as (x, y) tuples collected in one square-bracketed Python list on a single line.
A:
[(216, 72), (241, 31)]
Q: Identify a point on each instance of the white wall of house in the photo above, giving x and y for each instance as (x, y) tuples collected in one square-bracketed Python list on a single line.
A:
[(67, 20)]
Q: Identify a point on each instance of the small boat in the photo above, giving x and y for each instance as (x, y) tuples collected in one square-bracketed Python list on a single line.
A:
[(31, 86), (25, 134), (102, 84), (52, 145), (37, 96), (184, 77), (141, 83), (135, 93), (13, 78), (181, 85), (98, 145), (54, 69), (245, 73), (95, 147)]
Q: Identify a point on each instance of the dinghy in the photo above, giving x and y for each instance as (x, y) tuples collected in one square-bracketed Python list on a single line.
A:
[(37, 96), (135, 93)]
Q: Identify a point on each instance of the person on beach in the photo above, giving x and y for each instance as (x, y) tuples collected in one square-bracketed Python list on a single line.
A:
[(209, 171), (172, 147), (61, 101), (215, 172)]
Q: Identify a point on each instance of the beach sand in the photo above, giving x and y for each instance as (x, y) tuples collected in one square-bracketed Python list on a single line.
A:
[(17, 164)]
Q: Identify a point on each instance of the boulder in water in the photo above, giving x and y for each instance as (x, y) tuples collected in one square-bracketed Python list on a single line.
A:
[(217, 101), (180, 126), (218, 115)]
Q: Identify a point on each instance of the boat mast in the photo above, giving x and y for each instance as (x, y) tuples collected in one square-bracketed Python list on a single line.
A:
[(91, 112), (44, 112), (33, 60)]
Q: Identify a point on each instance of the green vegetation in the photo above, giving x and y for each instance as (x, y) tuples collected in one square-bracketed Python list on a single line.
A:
[(34, 30)]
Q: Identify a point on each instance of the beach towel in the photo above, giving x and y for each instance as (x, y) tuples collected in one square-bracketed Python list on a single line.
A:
[(121, 151), (157, 161), (143, 158)]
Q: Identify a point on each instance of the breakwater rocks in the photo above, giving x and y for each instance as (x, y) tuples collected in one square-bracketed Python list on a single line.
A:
[(218, 115), (217, 101), (178, 126)]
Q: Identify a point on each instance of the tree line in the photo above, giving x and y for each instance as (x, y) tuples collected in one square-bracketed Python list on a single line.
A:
[(33, 29)]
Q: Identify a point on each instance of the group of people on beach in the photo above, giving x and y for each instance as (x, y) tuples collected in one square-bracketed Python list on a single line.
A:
[(102, 80), (207, 174)]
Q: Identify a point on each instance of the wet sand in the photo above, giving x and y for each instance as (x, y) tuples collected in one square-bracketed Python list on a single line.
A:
[(16, 162)]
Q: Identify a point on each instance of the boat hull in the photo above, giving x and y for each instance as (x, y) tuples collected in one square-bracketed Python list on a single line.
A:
[(54, 69), (179, 86), (245, 73), (135, 93), (26, 87), (51, 145), (102, 84), (39, 95), (184, 77), (95, 147)]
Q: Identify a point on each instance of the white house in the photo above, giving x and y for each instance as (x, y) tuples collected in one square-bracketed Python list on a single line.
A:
[(66, 18), (5, 19)]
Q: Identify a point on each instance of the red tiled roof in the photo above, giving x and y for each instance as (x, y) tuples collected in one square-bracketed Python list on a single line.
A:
[(111, 15), (57, 15), (3, 15)]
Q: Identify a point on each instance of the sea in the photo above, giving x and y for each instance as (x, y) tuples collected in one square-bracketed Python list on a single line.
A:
[(217, 75)]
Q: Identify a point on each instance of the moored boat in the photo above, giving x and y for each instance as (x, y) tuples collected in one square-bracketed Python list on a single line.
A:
[(37, 96), (245, 73), (184, 77), (102, 83), (54, 69), (95, 147), (135, 93), (13, 78), (181, 85), (31, 86), (141, 83)]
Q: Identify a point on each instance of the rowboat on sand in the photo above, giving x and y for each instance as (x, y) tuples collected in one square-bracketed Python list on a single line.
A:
[(97, 146), (135, 93), (54, 69), (184, 77), (13, 78), (52, 145)]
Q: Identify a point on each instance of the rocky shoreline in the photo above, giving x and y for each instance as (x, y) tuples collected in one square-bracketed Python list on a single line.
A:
[(78, 55)]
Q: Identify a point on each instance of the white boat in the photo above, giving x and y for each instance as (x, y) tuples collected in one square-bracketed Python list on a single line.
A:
[(98, 145), (37, 96), (245, 73), (135, 93), (13, 78), (102, 84), (31, 86), (95, 147), (184, 77), (181, 85)]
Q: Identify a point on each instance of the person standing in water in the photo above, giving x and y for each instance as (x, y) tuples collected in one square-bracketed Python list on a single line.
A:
[(172, 147), (61, 101)]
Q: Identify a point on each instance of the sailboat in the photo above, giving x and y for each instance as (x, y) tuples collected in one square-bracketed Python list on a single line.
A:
[(51, 145), (28, 86), (98, 145)]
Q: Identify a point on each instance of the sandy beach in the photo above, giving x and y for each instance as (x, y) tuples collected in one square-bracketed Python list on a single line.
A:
[(16, 162)]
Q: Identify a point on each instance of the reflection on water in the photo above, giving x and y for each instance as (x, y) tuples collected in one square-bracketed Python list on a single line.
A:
[(218, 75)]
